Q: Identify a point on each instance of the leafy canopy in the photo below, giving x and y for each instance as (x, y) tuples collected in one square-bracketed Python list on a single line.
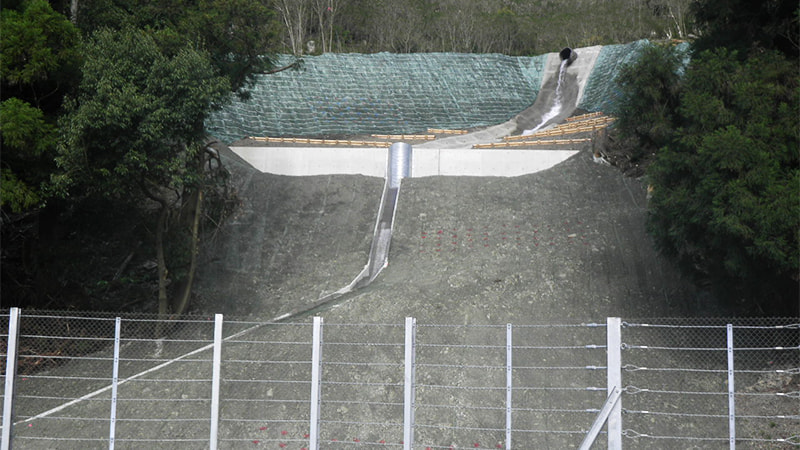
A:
[(38, 59), (239, 35), (650, 96), (138, 116), (35, 42), (726, 187), (743, 25)]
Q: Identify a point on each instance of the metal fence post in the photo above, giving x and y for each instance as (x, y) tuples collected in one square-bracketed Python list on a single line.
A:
[(316, 387), (216, 369), (11, 373), (731, 392), (509, 368), (408, 396), (112, 427), (614, 379)]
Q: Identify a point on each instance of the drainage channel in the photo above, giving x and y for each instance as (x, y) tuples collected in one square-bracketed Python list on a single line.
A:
[(398, 166)]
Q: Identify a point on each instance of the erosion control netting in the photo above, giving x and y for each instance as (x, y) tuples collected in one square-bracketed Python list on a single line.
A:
[(383, 93), (601, 93), (352, 94)]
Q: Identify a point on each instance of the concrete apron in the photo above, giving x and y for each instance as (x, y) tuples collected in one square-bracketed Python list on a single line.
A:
[(426, 162)]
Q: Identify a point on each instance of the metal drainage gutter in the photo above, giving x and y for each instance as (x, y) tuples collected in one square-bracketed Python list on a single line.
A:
[(398, 166)]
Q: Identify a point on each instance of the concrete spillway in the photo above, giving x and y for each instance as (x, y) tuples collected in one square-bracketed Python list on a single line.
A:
[(565, 79)]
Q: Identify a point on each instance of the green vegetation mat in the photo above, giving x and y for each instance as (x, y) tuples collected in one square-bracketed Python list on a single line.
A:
[(351, 94)]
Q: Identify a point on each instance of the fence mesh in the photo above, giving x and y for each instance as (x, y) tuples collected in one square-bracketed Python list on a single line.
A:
[(676, 373), (675, 379)]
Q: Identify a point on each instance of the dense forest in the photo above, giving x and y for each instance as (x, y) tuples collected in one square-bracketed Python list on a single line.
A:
[(513, 27), (105, 160)]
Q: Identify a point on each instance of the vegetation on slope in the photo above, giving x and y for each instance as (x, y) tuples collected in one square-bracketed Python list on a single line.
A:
[(723, 142)]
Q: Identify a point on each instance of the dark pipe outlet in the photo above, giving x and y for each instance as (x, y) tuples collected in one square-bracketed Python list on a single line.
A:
[(568, 54)]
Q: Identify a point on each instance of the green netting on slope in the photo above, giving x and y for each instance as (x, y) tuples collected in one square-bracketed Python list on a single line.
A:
[(383, 93), (601, 93)]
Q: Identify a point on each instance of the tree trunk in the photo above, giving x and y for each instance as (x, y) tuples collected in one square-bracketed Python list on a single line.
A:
[(163, 299), (181, 302), (73, 11)]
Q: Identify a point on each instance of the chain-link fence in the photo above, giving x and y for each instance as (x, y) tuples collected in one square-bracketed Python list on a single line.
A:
[(690, 380), (96, 381)]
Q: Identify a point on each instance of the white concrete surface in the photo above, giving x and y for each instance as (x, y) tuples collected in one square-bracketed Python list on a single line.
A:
[(306, 161), (494, 133), (425, 162), (583, 65)]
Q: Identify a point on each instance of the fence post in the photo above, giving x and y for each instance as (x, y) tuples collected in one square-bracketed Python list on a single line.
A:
[(509, 368), (614, 380), (316, 387), (112, 427), (11, 373), (216, 368), (408, 393), (731, 393)]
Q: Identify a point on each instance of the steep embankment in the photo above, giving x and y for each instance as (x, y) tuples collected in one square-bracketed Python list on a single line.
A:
[(566, 242), (291, 240)]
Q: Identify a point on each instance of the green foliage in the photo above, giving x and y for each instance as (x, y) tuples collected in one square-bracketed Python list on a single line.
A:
[(138, 117), (27, 142), (725, 197), (38, 57), (237, 34), (24, 129), (35, 43), (15, 194), (743, 25), (650, 89), (38, 61)]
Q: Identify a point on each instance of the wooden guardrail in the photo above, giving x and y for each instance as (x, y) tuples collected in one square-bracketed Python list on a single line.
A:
[(309, 141), (584, 116), (443, 131), (584, 126), (406, 137), (508, 144)]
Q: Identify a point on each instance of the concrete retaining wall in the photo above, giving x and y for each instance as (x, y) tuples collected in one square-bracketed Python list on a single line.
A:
[(425, 162)]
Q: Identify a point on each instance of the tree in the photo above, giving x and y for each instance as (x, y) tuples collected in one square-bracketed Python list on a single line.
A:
[(326, 12), (295, 15), (239, 35), (27, 138), (743, 25), (38, 59), (650, 89), (135, 130), (725, 199)]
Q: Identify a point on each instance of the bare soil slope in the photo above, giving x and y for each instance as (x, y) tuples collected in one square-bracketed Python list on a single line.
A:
[(569, 242)]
